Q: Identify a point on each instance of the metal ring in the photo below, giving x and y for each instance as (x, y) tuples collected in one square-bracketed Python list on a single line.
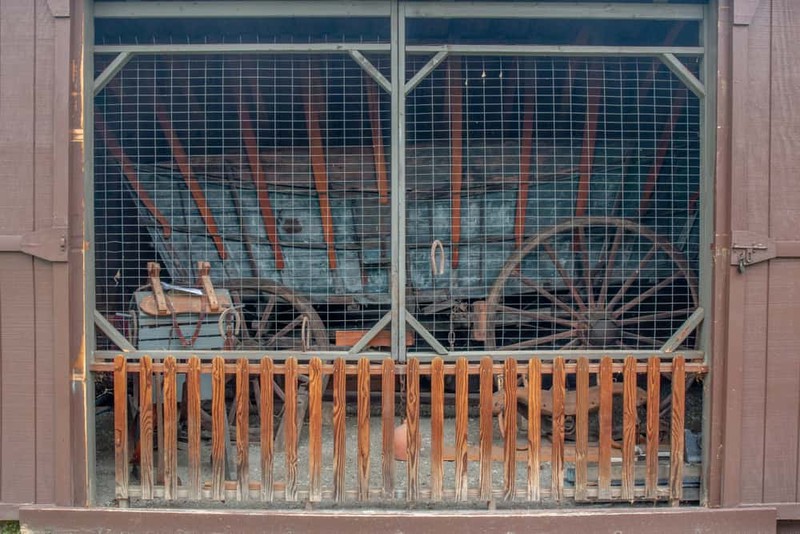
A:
[(437, 245), (305, 334)]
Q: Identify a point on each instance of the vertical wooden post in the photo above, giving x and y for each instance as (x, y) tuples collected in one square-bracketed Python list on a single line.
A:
[(653, 405), (387, 426), (581, 429), (587, 155), (628, 428), (218, 429), (486, 429), (146, 426), (437, 428), (193, 425), (676, 430), (456, 152), (524, 169), (412, 429), (363, 428), (242, 429), (462, 422), (606, 404), (510, 444), (170, 430), (534, 427), (121, 467), (315, 430), (379, 160), (290, 427), (339, 436), (557, 456), (266, 413)]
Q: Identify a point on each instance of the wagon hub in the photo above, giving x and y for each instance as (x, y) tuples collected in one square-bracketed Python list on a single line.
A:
[(603, 332)]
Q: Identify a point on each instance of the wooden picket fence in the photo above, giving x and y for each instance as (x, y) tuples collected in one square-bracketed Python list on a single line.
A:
[(604, 470)]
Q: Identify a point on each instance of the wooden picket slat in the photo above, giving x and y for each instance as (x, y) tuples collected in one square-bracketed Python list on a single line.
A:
[(628, 428), (412, 429), (315, 430), (486, 429), (218, 429), (462, 422), (266, 429), (121, 468), (437, 428), (653, 408), (510, 443), (534, 427), (339, 436), (604, 453), (242, 430), (146, 426), (581, 428), (290, 428), (193, 425), (363, 428), (676, 430), (557, 455), (170, 450), (387, 426)]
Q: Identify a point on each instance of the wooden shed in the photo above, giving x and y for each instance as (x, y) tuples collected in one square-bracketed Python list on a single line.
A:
[(399, 264)]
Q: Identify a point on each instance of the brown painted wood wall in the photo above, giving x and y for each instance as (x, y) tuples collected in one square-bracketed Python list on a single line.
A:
[(34, 298), (760, 85)]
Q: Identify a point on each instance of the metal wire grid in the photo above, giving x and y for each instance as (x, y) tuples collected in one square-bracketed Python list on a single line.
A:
[(271, 168), (552, 202)]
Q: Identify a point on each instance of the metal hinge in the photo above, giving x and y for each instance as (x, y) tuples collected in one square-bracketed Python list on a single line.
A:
[(49, 244)]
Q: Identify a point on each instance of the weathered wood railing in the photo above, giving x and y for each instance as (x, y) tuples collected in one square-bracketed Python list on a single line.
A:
[(604, 469)]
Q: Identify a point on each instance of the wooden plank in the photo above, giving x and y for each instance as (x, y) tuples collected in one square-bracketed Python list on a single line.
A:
[(265, 419), (315, 430), (534, 427), (437, 428), (242, 430), (121, 459), (193, 426), (146, 427), (363, 428), (676, 431), (628, 428), (218, 429), (524, 167), (557, 460), (313, 99), (348, 338), (606, 404), (587, 154), (290, 428), (387, 426), (510, 443), (486, 429), (379, 159), (455, 92), (413, 437), (653, 408), (581, 429), (170, 430), (462, 424), (339, 428)]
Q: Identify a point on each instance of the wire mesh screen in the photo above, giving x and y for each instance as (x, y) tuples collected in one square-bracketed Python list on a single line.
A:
[(552, 202), (272, 169)]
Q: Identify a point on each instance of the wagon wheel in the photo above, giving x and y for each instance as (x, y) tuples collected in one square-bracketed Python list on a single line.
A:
[(591, 283), (276, 318)]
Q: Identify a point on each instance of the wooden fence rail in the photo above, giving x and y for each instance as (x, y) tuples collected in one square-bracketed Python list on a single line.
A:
[(591, 432)]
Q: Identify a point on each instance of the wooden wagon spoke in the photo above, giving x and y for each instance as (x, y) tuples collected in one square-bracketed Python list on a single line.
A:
[(543, 316), (552, 297), (632, 277), (285, 330), (564, 276), (644, 296), (577, 342), (542, 340), (609, 266), (641, 338), (655, 316), (582, 246), (262, 323)]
